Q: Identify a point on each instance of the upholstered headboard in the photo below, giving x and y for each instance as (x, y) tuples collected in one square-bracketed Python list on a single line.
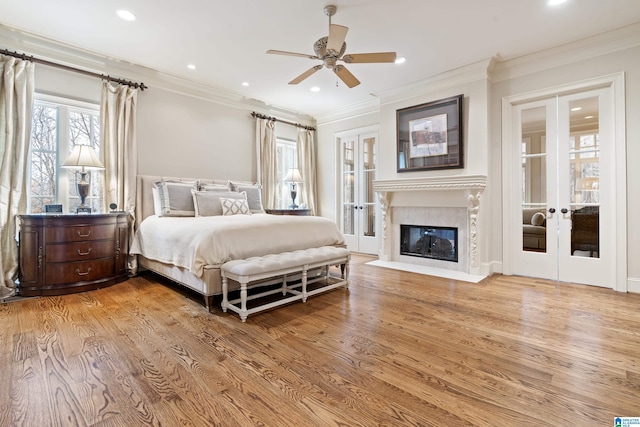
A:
[(144, 198)]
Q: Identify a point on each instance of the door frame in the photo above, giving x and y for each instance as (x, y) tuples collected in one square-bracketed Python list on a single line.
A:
[(337, 137), (614, 81)]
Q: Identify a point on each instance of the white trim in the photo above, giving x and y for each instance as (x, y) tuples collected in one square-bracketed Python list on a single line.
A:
[(633, 284), (457, 182), (580, 50), (616, 82)]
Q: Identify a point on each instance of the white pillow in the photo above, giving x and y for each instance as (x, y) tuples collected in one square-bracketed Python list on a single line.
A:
[(174, 198), (235, 207), (254, 194), (207, 203), (538, 219)]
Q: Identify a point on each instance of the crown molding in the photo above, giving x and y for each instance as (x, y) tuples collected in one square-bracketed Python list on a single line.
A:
[(588, 48), (66, 54), (371, 106), (449, 79)]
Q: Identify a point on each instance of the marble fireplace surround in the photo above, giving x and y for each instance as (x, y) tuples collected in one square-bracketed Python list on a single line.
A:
[(450, 201)]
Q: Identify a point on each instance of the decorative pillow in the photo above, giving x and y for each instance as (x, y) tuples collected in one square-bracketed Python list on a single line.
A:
[(174, 198), (207, 203), (254, 194), (538, 219), (214, 187), (235, 207)]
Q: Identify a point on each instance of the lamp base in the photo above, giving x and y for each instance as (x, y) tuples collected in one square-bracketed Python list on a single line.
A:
[(83, 210)]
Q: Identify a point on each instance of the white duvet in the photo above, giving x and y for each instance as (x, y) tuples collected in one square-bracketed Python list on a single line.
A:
[(193, 242)]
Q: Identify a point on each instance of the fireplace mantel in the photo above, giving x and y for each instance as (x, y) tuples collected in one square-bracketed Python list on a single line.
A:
[(469, 187), (456, 182)]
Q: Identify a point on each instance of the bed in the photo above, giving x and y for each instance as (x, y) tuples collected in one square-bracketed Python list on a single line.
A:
[(189, 247)]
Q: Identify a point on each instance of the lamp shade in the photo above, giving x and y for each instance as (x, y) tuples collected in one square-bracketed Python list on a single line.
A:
[(293, 176), (83, 156)]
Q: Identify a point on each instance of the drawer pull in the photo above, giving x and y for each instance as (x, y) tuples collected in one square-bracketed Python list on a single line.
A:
[(84, 253), (83, 274), (83, 235)]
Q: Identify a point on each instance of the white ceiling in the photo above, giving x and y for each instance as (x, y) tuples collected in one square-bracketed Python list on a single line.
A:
[(227, 40)]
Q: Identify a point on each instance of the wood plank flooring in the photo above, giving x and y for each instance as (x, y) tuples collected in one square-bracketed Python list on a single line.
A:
[(397, 349)]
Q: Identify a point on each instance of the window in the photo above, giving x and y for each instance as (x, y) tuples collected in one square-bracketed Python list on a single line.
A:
[(287, 155), (58, 125)]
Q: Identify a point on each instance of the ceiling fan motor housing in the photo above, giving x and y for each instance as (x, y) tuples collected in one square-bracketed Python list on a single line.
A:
[(329, 57)]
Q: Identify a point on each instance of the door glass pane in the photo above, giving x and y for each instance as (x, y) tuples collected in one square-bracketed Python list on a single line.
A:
[(534, 179), (348, 225), (584, 179), (368, 221), (348, 187)]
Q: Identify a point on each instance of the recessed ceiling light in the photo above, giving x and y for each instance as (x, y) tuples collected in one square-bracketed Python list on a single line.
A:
[(191, 67), (245, 84), (400, 60), (555, 2), (126, 15), (315, 89), (576, 109)]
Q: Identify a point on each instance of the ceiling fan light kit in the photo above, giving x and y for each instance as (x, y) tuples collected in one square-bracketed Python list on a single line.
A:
[(331, 49)]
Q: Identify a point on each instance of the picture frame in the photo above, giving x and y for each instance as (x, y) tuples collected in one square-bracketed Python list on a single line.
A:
[(430, 136)]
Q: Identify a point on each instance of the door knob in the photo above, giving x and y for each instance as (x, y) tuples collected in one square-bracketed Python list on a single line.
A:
[(552, 210), (564, 210)]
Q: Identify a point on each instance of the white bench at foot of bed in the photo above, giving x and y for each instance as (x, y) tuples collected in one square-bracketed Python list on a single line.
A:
[(246, 271)]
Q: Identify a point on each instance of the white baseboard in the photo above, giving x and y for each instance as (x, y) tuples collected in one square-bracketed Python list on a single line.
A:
[(633, 285)]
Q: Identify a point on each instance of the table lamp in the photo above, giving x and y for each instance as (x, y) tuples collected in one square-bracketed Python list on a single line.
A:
[(83, 157), (293, 178)]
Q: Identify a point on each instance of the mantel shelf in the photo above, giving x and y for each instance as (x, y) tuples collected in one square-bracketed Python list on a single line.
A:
[(456, 182)]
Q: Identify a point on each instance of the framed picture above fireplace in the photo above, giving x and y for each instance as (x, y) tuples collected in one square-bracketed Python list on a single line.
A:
[(430, 135)]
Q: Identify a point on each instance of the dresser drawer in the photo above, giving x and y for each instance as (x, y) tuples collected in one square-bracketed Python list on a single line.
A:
[(79, 233), (80, 251), (81, 271)]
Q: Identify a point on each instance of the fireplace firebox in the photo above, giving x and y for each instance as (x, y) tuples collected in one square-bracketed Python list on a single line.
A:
[(427, 241)]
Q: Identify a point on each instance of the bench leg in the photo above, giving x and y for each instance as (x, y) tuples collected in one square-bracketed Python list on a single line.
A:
[(346, 275), (243, 301), (225, 290), (304, 283), (284, 284)]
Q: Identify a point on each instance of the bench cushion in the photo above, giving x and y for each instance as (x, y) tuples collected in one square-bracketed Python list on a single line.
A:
[(275, 262)]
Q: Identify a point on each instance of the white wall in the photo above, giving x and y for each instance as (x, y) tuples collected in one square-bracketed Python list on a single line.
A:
[(180, 135)]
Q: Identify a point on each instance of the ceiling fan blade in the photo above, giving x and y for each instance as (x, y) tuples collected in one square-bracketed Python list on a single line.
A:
[(361, 58), (346, 76), (282, 52), (337, 34), (304, 75)]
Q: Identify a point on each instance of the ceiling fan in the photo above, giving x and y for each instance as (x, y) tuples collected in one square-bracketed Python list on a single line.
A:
[(331, 49)]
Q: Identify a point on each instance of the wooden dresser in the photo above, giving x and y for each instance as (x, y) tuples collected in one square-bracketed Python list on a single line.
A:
[(61, 254)]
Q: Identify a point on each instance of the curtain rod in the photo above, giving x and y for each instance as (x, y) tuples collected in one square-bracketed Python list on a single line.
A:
[(24, 57), (262, 116)]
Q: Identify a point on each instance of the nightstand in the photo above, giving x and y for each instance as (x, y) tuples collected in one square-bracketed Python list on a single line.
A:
[(61, 254), (298, 212)]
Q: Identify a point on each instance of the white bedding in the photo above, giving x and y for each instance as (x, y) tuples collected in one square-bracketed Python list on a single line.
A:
[(193, 242)]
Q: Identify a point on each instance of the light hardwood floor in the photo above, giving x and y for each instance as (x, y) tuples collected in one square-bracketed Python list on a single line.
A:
[(397, 349)]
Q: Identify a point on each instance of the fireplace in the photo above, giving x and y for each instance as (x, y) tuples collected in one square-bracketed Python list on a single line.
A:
[(439, 201), (427, 241)]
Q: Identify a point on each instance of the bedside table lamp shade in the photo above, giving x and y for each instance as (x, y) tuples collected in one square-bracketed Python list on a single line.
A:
[(293, 178), (83, 157)]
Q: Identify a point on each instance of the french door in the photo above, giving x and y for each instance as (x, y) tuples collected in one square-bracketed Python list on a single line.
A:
[(562, 188), (357, 198)]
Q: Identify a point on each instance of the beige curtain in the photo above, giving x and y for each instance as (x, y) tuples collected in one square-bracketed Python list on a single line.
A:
[(118, 136), (16, 103), (307, 166), (267, 160)]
